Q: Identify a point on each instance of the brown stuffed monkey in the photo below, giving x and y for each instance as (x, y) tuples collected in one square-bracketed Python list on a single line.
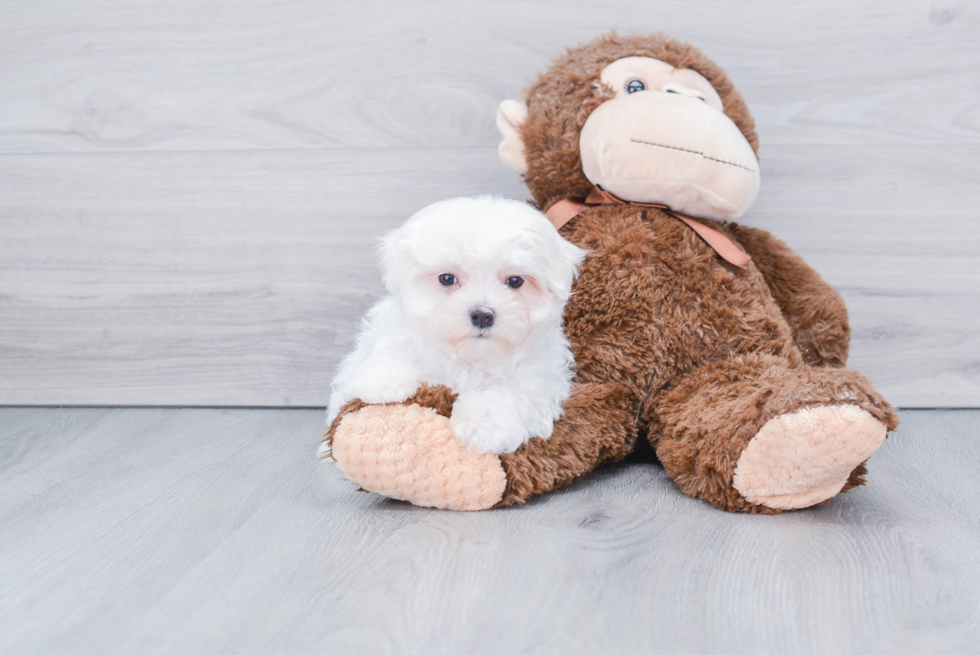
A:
[(712, 340)]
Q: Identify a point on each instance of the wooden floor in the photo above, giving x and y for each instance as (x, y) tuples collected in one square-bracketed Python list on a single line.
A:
[(215, 531)]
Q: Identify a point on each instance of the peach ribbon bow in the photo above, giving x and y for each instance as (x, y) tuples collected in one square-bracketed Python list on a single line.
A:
[(565, 210)]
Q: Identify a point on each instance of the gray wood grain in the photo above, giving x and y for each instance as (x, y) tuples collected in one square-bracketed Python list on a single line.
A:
[(190, 191), (215, 531), (208, 74), (239, 278)]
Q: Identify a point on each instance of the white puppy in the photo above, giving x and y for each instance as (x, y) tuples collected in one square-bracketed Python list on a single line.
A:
[(477, 289)]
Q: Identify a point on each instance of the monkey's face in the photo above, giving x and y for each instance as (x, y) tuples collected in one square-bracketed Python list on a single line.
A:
[(663, 138), (645, 131)]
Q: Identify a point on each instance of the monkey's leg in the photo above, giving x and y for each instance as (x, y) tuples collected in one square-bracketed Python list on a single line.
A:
[(752, 434), (408, 450)]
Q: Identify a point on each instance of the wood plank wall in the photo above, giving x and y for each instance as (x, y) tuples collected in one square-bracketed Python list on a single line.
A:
[(190, 191)]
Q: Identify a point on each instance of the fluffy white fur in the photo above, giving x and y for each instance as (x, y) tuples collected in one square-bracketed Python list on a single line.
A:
[(513, 376)]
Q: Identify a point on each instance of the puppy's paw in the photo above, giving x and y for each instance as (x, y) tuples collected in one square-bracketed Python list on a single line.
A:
[(384, 382), (388, 391), (487, 425)]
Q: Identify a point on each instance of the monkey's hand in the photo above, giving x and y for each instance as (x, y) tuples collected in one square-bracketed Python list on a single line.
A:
[(814, 310), (409, 451)]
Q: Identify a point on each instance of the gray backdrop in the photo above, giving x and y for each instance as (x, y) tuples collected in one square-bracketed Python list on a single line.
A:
[(190, 191)]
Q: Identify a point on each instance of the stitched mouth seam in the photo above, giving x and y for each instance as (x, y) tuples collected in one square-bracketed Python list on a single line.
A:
[(694, 152)]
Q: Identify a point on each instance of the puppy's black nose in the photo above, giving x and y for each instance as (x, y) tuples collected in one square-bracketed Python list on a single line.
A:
[(481, 318)]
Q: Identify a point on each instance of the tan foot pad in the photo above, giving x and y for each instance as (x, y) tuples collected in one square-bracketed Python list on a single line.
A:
[(802, 459), (409, 452)]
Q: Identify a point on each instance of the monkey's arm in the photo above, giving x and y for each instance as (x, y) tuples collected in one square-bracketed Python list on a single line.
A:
[(410, 451), (815, 310), (599, 426)]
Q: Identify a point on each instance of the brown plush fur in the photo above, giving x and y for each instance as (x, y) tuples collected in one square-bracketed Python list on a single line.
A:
[(736, 397), (599, 426), (815, 312), (703, 349), (669, 339)]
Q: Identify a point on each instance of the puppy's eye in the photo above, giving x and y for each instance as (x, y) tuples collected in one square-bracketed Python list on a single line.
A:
[(635, 85), (447, 279), (515, 282)]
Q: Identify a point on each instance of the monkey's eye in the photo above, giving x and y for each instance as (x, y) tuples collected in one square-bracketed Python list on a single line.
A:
[(635, 85), (514, 282), (447, 279)]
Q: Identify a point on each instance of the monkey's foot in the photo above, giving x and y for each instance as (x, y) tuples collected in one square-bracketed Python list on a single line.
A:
[(804, 458), (410, 452)]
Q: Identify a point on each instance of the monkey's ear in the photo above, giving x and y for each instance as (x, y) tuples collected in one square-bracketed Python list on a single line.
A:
[(510, 115)]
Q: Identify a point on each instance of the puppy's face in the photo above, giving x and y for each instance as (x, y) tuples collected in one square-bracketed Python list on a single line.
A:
[(479, 275)]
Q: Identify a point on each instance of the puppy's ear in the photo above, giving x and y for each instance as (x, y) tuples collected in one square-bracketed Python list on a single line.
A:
[(510, 115), (395, 253), (561, 263)]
